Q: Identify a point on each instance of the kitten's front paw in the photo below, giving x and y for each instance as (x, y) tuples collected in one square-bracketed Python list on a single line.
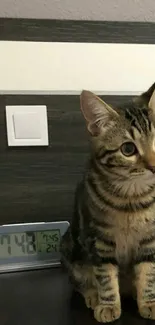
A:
[(91, 298), (106, 314), (148, 310)]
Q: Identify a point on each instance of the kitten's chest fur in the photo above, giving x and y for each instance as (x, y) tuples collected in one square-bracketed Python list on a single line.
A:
[(128, 232)]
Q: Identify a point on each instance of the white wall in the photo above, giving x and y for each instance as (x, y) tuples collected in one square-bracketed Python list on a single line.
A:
[(132, 10), (35, 67)]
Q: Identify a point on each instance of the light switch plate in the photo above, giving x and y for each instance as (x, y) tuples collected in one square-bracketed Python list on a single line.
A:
[(27, 125)]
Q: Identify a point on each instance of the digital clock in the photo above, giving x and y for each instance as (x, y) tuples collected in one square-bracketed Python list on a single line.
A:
[(30, 245)]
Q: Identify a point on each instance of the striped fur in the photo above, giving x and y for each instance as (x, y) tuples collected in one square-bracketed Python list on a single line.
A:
[(113, 228)]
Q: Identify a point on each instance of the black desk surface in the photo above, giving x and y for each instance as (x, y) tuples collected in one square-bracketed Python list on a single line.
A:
[(45, 298)]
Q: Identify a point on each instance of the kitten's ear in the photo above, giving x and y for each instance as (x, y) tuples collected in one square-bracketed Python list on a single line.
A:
[(97, 113), (147, 98), (151, 104)]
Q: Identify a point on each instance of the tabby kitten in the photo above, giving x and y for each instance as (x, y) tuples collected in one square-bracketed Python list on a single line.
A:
[(113, 228)]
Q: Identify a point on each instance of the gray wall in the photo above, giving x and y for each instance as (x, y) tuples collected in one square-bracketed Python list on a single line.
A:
[(123, 10)]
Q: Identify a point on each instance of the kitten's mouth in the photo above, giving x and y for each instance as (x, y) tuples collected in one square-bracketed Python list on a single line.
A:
[(143, 172), (152, 170)]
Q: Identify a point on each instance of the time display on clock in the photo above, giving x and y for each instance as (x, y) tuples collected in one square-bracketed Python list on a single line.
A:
[(29, 243)]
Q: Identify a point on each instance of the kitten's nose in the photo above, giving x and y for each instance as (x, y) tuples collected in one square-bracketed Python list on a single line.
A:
[(149, 161)]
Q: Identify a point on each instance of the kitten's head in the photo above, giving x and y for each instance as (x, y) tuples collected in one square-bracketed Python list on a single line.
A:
[(123, 138)]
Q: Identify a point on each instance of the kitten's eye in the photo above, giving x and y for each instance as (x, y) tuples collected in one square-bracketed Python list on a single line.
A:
[(128, 149)]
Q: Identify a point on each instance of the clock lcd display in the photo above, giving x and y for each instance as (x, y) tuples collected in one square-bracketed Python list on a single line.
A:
[(29, 243)]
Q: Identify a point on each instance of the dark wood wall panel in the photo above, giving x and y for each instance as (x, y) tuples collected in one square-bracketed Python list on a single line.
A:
[(37, 184), (76, 31)]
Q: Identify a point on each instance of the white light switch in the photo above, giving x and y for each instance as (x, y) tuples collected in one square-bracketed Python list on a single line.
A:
[(27, 125)]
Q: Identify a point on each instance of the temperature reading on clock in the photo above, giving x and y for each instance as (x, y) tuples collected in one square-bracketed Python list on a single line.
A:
[(29, 243), (48, 241)]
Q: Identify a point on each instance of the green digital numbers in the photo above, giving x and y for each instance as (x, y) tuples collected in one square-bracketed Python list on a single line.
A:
[(48, 241)]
